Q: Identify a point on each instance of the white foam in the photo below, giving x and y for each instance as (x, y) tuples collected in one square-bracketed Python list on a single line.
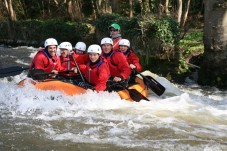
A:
[(105, 118)]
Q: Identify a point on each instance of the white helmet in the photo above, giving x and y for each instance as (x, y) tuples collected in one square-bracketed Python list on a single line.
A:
[(66, 45), (80, 46), (124, 42), (95, 49), (106, 41), (50, 41)]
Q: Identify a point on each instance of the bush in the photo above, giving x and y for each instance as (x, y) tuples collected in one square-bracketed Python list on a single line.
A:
[(190, 45), (37, 30), (165, 29)]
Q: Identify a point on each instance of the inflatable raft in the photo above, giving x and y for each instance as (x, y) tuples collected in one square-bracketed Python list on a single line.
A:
[(72, 89)]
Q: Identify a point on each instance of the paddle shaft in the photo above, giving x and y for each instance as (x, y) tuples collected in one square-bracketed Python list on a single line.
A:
[(11, 71), (79, 71), (47, 73)]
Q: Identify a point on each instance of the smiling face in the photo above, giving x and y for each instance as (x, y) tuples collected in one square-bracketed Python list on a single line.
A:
[(123, 48), (64, 52), (93, 56), (106, 48), (52, 50)]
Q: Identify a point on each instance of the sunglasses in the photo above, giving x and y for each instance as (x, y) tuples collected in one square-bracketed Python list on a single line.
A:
[(113, 30)]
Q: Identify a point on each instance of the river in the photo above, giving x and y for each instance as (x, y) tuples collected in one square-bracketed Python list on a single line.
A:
[(186, 117)]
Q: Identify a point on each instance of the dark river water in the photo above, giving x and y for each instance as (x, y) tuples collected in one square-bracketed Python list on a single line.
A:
[(191, 118)]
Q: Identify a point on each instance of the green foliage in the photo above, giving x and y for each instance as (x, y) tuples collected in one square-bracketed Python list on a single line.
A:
[(64, 31), (192, 43), (37, 30), (105, 21), (165, 29), (129, 26), (124, 8)]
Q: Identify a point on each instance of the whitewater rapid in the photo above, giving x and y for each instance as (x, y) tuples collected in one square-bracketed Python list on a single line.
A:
[(184, 118)]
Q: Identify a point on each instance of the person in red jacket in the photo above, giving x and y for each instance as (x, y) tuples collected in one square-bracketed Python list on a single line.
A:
[(80, 54), (115, 35), (67, 62), (132, 58), (97, 70), (119, 68), (46, 59), (80, 48)]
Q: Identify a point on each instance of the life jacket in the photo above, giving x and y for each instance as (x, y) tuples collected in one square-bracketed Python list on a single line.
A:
[(132, 58), (82, 61), (81, 58), (112, 66), (118, 64), (116, 43), (44, 61), (67, 63), (98, 74)]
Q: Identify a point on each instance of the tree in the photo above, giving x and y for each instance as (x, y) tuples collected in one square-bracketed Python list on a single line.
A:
[(115, 4), (131, 8), (179, 10), (167, 7), (75, 9), (9, 9), (214, 68), (185, 16)]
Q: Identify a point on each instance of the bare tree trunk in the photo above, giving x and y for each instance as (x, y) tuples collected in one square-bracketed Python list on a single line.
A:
[(184, 18), (115, 4), (43, 10), (49, 11), (131, 8), (94, 8), (56, 2), (145, 8), (74, 9), (102, 6), (166, 7), (214, 68), (10, 11), (108, 7), (179, 10)]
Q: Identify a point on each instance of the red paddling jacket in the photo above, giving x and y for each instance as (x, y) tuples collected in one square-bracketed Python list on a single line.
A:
[(44, 61), (67, 63), (98, 73), (82, 60), (132, 58), (118, 64)]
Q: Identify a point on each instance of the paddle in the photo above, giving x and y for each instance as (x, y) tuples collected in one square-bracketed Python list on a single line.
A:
[(151, 83), (79, 71), (40, 74), (11, 71), (134, 94)]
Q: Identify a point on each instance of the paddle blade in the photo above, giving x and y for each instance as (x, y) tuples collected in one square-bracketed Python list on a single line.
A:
[(151, 83), (136, 96), (39, 74), (11, 71), (154, 85)]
